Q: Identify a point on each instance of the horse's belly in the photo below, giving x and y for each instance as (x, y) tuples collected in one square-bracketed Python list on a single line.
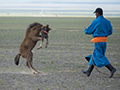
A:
[(27, 45), (30, 44)]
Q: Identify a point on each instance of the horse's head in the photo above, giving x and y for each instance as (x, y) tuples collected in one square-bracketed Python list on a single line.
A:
[(45, 31)]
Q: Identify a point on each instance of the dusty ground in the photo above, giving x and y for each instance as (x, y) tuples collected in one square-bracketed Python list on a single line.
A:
[(63, 60)]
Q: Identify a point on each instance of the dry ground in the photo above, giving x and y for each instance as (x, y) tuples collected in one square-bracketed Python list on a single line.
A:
[(63, 60)]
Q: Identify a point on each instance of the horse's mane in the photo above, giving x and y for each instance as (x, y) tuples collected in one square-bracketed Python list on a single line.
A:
[(32, 25)]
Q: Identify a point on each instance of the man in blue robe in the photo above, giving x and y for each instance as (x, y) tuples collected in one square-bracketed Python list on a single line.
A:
[(100, 28)]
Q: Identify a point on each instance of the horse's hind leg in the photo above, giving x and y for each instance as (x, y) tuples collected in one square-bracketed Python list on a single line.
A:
[(27, 64), (30, 63), (26, 55), (47, 42)]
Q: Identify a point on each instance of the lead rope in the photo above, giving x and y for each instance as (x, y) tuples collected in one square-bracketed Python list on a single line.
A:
[(97, 68)]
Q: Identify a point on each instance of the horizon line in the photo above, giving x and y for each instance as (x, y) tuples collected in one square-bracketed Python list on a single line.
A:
[(66, 2)]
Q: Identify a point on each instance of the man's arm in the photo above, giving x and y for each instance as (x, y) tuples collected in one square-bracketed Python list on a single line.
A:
[(91, 28), (110, 29)]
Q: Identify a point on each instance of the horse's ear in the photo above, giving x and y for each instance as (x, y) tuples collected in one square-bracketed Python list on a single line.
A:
[(47, 25), (42, 27)]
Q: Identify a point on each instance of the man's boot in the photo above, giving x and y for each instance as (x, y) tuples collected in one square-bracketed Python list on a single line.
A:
[(87, 58), (112, 70), (88, 72)]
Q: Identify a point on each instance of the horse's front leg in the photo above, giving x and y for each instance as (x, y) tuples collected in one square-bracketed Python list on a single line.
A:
[(47, 42), (36, 38), (41, 44)]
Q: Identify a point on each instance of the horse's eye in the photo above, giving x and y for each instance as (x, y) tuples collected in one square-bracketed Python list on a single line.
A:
[(34, 28)]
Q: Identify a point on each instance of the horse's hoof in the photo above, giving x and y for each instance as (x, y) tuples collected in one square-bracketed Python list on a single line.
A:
[(34, 72), (39, 47)]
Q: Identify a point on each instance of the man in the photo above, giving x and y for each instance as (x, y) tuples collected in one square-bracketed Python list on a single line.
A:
[(100, 28)]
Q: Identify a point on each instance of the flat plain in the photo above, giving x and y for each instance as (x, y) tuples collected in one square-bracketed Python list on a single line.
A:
[(63, 60)]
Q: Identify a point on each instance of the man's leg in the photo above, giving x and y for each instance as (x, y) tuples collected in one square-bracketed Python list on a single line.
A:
[(90, 68), (88, 72), (112, 70), (88, 57)]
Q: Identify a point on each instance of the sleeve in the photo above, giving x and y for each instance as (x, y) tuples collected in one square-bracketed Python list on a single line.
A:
[(90, 30), (110, 29)]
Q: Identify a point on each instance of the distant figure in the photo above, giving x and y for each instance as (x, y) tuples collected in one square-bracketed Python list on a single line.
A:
[(100, 29)]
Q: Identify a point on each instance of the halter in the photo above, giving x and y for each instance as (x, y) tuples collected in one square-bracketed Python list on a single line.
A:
[(45, 31)]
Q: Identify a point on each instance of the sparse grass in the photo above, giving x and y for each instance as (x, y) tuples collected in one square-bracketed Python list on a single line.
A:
[(47, 88), (116, 64), (77, 85), (0, 81), (65, 53)]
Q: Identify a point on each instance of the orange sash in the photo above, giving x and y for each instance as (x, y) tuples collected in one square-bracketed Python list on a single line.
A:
[(99, 39)]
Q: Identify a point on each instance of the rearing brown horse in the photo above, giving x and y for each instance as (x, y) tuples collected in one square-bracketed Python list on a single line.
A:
[(25, 50)]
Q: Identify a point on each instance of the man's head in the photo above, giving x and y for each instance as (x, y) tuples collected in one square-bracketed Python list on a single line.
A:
[(98, 12)]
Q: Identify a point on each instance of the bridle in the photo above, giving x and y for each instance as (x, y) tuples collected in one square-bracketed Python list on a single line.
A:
[(45, 31)]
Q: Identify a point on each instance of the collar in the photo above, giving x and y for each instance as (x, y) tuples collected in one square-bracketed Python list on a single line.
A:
[(101, 16), (46, 32)]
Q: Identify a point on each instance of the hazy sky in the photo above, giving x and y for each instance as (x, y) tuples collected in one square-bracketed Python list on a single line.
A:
[(108, 6), (59, 0)]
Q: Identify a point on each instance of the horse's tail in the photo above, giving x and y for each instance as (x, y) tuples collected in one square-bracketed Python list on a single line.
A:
[(16, 60)]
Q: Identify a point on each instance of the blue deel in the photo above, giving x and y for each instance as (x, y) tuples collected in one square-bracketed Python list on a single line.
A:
[(98, 56), (100, 27)]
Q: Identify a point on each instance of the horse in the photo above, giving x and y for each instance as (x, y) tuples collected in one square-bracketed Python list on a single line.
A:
[(31, 38), (44, 35)]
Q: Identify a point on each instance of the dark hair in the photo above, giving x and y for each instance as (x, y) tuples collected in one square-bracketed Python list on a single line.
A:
[(99, 10)]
